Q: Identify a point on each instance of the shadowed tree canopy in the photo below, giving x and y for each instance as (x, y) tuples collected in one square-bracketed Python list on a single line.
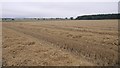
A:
[(71, 18), (98, 17)]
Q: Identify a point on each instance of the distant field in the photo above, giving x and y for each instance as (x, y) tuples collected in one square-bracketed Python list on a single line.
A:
[(60, 43)]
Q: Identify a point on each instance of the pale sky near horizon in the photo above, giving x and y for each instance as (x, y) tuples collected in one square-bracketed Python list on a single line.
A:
[(57, 9), (59, 0)]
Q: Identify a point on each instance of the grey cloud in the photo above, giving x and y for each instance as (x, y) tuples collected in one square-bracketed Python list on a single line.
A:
[(56, 9)]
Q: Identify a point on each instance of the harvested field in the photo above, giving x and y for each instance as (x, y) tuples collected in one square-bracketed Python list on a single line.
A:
[(60, 43)]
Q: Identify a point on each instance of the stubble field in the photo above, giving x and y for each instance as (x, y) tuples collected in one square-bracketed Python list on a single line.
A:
[(60, 43)]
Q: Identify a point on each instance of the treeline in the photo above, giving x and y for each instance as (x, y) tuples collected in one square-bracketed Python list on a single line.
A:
[(84, 17), (98, 17), (31, 19)]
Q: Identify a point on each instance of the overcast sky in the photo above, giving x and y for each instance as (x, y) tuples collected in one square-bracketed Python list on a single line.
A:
[(56, 9), (59, 0)]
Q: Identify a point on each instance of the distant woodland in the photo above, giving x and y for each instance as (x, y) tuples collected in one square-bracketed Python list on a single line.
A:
[(84, 17), (98, 17)]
